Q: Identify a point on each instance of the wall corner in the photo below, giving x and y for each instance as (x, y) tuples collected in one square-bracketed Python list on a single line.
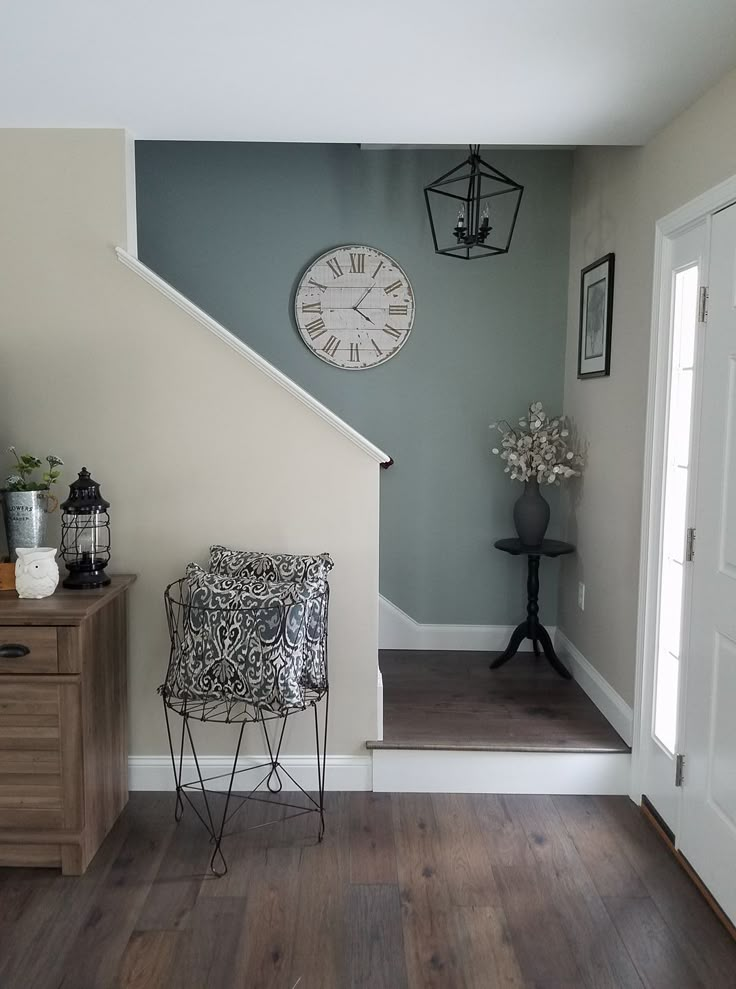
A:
[(131, 212)]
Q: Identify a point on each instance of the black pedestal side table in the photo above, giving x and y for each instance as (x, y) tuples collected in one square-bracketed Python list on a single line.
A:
[(531, 627)]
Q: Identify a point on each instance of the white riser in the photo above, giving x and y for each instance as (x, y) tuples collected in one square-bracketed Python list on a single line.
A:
[(427, 771)]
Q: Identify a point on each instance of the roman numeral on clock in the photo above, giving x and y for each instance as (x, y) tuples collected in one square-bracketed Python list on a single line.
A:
[(334, 265), (311, 307), (393, 287), (322, 288), (330, 348), (398, 310), (391, 331), (316, 328), (354, 352), (376, 347), (378, 268), (357, 264)]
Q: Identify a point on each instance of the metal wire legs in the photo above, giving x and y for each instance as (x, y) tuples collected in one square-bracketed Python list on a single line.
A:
[(270, 783)]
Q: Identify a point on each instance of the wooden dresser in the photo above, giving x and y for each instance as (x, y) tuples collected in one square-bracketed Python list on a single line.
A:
[(63, 724)]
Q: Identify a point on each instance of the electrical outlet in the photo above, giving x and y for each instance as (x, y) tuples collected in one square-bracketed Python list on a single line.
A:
[(581, 595)]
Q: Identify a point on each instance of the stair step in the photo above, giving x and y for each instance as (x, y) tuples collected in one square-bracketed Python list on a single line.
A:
[(433, 770)]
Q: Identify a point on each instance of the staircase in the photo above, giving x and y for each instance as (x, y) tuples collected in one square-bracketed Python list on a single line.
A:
[(450, 725)]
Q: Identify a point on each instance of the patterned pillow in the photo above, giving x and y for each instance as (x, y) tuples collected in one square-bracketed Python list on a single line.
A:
[(288, 567), (269, 566), (243, 640), (314, 671)]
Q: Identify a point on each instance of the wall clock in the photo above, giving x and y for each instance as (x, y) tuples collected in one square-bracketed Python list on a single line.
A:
[(354, 307)]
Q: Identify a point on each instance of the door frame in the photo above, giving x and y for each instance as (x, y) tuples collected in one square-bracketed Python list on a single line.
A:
[(666, 230)]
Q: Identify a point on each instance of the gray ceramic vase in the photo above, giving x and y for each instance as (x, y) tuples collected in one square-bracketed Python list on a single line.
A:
[(531, 514)]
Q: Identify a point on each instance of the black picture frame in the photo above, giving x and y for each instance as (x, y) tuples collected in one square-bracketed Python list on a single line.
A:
[(596, 318)]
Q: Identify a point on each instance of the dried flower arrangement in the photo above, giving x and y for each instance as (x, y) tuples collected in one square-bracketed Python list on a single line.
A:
[(537, 450)]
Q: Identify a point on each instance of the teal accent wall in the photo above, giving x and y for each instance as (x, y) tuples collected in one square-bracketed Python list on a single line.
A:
[(232, 226)]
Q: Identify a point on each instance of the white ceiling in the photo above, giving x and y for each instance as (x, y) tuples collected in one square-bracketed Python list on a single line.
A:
[(518, 72)]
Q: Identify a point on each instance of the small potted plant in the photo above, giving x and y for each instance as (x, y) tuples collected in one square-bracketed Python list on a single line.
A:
[(536, 453), (27, 499)]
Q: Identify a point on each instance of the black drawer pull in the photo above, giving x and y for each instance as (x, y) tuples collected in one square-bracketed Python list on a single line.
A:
[(13, 650)]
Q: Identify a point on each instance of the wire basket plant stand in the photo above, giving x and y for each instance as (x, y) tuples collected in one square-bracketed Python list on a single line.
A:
[(240, 710)]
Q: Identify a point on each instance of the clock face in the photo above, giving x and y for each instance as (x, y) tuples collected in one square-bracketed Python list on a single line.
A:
[(354, 307)]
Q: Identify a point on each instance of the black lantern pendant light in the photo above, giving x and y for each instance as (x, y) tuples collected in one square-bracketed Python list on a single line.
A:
[(472, 209), (85, 534)]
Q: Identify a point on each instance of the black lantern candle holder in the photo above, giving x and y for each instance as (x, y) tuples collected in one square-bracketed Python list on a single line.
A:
[(85, 534), (480, 201)]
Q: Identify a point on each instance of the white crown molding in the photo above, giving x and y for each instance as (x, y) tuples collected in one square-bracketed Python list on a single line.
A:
[(610, 703), (433, 771), (342, 772), (397, 630), (250, 355)]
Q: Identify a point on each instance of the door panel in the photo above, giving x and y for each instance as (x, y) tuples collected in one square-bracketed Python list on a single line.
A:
[(707, 836), (728, 514), (722, 748), (661, 743)]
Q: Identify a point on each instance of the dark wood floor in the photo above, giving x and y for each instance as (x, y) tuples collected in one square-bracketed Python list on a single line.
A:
[(451, 700), (406, 892)]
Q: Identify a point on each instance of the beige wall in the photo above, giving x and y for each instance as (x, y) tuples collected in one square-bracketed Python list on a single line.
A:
[(618, 195), (192, 444)]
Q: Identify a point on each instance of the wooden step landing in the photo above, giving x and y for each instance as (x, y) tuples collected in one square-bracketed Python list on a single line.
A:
[(452, 701), (452, 725)]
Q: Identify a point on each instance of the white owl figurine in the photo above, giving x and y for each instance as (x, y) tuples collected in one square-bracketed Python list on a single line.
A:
[(36, 572)]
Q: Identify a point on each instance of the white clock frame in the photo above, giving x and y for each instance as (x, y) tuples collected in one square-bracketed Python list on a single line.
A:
[(354, 307)]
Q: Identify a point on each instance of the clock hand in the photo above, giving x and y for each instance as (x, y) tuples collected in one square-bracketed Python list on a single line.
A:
[(362, 297), (363, 315)]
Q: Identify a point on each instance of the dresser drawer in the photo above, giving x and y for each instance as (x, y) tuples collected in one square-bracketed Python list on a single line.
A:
[(28, 650)]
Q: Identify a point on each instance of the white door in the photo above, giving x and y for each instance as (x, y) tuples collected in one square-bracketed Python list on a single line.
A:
[(707, 832), (685, 269)]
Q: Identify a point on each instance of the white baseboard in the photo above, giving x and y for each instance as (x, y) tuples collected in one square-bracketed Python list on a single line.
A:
[(342, 772), (611, 705), (428, 771), (397, 630)]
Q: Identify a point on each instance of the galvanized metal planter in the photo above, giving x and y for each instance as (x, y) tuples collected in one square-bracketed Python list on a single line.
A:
[(26, 514)]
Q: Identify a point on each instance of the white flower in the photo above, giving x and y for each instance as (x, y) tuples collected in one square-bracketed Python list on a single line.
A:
[(536, 449)]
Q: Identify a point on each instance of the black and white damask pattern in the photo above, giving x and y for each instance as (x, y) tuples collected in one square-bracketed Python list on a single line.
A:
[(251, 639), (288, 567), (269, 566)]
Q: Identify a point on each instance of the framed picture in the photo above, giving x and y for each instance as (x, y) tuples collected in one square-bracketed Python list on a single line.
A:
[(596, 316)]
